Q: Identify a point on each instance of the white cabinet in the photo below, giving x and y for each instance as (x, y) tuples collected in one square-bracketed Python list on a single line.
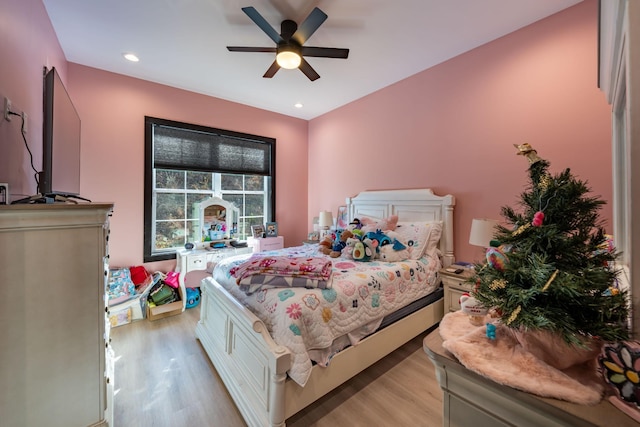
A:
[(266, 243), (54, 368)]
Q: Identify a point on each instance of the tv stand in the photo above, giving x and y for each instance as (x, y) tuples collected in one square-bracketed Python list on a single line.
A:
[(51, 198)]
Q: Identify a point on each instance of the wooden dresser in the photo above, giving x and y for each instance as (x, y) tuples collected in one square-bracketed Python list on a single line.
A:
[(56, 367), (475, 401)]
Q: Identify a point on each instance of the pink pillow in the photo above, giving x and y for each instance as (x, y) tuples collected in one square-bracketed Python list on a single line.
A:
[(385, 224)]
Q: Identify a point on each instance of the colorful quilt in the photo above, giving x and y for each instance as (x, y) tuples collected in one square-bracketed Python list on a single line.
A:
[(360, 293)]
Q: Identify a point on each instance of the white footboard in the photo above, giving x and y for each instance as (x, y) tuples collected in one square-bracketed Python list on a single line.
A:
[(252, 366)]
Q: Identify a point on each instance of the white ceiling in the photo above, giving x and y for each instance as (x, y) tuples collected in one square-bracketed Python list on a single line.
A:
[(182, 43)]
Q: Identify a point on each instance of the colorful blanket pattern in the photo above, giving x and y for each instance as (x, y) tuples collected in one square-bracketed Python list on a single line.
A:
[(361, 292), (263, 270)]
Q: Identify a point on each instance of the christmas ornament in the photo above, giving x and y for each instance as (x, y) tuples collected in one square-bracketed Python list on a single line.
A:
[(491, 331), (472, 308), (538, 218), (496, 258), (528, 151)]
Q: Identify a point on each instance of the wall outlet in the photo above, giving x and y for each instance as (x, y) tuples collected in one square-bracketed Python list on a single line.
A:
[(24, 122), (7, 109)]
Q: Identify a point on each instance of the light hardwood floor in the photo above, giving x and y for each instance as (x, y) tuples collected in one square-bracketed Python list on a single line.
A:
[(163, 378)]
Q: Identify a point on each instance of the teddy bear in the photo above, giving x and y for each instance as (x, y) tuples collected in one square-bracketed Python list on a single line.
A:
[(325, 245), (340, 243)]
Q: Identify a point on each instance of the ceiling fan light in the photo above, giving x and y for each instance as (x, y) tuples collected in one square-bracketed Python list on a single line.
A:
[(288, 59)]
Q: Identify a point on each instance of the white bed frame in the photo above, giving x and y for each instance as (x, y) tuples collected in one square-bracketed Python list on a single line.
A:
[(254, 368)]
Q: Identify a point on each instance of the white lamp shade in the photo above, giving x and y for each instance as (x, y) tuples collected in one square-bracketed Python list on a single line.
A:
[(326, 219), (482, 231)]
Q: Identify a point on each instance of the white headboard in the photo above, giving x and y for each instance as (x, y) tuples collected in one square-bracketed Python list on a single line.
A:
[(409, 205)]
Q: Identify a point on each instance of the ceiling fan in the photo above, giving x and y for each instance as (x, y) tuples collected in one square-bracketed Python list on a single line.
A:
[(290, 51)]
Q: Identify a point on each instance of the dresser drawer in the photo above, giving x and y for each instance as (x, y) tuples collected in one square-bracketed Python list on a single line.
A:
[(197, 262)]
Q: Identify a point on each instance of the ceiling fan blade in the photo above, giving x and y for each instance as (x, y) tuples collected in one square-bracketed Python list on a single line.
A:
[(309, 26), (262, 23), (272, 70), (325, 52), (308, 70), (251, 49)]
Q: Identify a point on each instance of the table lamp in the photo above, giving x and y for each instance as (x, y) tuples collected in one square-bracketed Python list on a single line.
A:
[(482, 231), (325, 222)]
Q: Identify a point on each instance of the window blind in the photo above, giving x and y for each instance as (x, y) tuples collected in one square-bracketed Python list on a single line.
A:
[(187, 149)]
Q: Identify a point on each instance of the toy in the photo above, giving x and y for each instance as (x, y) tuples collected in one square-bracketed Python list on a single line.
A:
[(355, 225), (387, 253), (363, 250), (347, 251), (340, 243), (378, 237), (384, 224), (393, 251), (471, 307), (193, 297), (325, 245)]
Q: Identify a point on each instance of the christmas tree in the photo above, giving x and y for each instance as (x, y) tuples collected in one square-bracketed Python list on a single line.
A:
[(552, 269)]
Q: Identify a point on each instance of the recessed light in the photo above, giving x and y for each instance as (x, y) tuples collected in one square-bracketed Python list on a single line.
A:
[(131, 57), (297, 105)]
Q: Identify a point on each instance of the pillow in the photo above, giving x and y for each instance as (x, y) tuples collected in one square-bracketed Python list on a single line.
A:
[(421, 237), (385, 224)]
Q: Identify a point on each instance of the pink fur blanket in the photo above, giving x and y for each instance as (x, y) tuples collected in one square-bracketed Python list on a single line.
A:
[(504, 361)]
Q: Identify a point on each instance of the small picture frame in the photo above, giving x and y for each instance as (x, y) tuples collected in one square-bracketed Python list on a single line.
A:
[(271, 229), (341, 219), (314, 235), (257, 231)]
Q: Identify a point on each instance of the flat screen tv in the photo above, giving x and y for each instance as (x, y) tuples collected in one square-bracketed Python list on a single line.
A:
[(60, 174)]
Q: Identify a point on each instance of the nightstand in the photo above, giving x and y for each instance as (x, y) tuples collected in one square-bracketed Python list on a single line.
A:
[(454, 286)]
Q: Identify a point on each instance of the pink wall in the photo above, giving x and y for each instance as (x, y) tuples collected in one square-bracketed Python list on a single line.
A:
[(452, 127), (112, 108), (28, 43)]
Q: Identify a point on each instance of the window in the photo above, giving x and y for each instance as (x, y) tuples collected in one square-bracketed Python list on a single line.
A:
[(186, 164)]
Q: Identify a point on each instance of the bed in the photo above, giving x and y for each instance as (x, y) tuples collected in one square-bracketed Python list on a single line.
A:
[(254, 367)]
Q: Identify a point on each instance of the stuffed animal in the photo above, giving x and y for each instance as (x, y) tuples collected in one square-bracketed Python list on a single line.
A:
[(394, 250), (325, 245), (347, 252), (355, 224), (340, 243), (369, 224), (471, 307), (364, 250), (378, 237), (389, 253)]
